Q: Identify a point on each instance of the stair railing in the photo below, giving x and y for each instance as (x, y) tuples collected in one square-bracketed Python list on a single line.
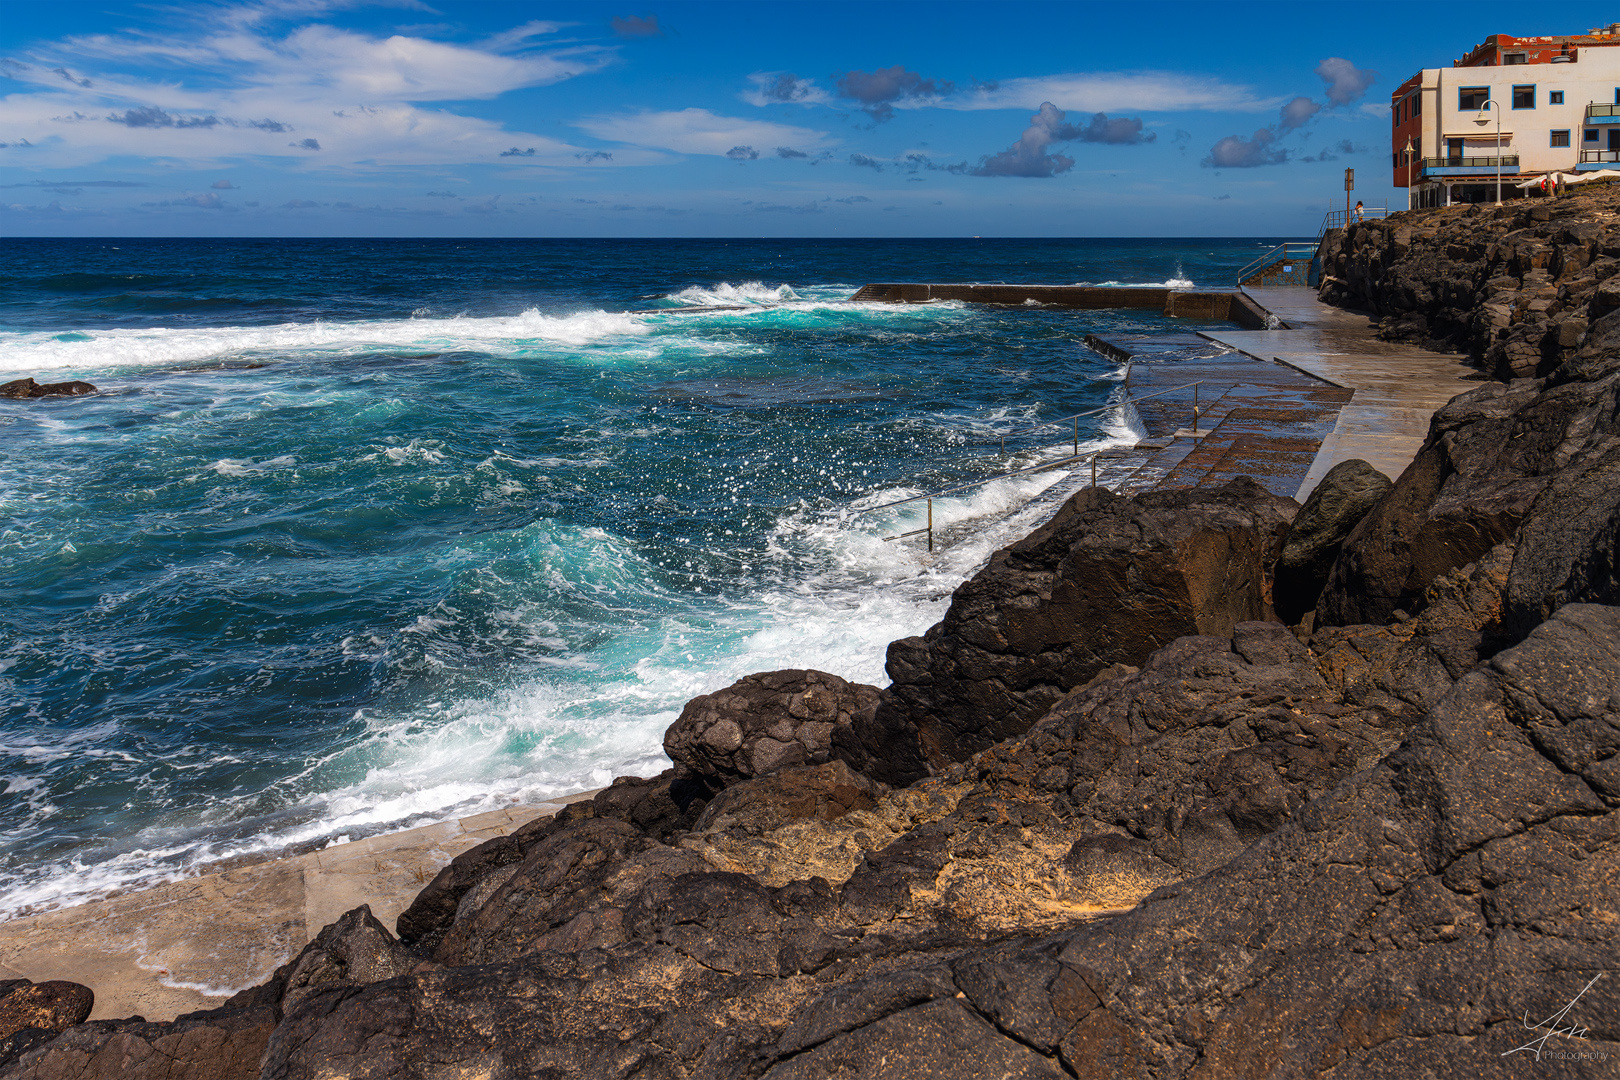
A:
[(1077, 456), (1296, 250)]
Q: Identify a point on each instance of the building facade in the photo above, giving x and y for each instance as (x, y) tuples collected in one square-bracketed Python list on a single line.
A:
[(1515, 108)]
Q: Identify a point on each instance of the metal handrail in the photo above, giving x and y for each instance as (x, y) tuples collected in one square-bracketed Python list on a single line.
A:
[(1059, 463), (1093, 412), (1334, 219), (1595, 109), (1489, 161), (1600, 155), (1281, 251)]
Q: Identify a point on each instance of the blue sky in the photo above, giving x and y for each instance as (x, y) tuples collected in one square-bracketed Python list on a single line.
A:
[(408, 118)]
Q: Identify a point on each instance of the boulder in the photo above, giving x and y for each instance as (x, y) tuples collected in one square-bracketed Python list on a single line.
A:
[(1489, 456), (219, 1044), (820, 792), (50, 1006), (1336, 506), (1107, 581), (28, 388), (764, 722), (354, 951)]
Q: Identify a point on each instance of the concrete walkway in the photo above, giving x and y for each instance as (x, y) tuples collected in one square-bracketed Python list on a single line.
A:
[(1397, 388), (188, 945)]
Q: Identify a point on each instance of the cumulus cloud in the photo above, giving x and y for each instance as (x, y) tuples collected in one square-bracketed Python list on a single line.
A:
[(223, 185), (274, 126), (1118, 130), (1222, 198), (1345, 81), (696, 131), (1345, 84), (783, 88), (1031, 156), (633, 26), (864, 162), (589, 156), (150, 116), (306, 144), (1234, 152), (442, 195), (515, 152), (69, 77), (789, 152), (743, 153), (878, 91)]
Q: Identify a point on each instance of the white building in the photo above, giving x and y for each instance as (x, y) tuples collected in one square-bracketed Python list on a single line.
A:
[(1518, 108)]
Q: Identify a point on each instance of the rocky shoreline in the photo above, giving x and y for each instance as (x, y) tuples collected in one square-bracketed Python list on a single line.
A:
[(1191, 783)]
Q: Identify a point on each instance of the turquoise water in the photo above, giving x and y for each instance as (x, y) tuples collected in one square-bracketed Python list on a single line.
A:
[(366, 534)]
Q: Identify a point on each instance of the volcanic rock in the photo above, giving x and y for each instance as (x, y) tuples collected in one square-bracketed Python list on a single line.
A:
[(764, 722), (28, 388), (1108, 580), (1336, 506)]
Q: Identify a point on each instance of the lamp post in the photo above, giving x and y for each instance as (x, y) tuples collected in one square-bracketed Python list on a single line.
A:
[(1409, 172), (1491, 103)]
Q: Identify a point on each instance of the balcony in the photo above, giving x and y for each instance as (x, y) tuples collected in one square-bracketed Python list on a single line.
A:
[(1438, 167), (1602, 114), (1597, 159)]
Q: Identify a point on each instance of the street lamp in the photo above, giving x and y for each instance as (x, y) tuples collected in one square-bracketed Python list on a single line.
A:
[(1491, 103), (1409, 172)]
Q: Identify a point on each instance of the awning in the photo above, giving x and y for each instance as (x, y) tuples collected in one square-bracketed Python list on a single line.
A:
[(1587, 178)]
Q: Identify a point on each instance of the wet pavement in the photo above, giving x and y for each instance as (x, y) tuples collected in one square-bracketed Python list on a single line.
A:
[(1396, 388), (1283, 405)]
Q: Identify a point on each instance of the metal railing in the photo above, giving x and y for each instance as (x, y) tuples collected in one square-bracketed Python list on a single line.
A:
[(1334, 219), (1043, 467), (1301, 251), (1459, 162), (1600, 155), (1595, 109)]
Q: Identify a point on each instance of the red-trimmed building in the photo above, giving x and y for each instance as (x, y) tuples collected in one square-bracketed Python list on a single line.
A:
[(1512, 109)]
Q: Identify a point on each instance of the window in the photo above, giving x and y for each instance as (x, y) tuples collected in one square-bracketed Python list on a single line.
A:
[(1591, 136), (1417, 103), (1472, 98), (1555, 97), (1524, 97), (1516, 58), (1560, 138)]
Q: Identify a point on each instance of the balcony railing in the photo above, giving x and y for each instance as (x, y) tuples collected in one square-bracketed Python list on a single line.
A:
[(1595, 110), (1599, 155), (1506, 161)]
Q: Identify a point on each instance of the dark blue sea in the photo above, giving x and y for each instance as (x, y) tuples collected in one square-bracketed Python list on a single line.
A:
[(364, 534)]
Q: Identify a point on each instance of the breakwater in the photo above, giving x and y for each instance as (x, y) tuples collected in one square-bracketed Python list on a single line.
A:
[(1209, 304)]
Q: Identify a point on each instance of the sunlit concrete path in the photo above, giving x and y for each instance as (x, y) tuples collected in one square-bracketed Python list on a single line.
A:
[(1396, 388)]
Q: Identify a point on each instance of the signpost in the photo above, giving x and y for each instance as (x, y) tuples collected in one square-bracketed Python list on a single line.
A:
[(1349, 186)]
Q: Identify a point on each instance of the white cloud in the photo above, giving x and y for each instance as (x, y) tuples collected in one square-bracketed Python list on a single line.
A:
[(784, 88), (242, 90), (698, 131), (1132, 91)]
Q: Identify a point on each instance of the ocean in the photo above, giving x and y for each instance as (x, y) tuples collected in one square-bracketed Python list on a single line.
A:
[(358, 535)]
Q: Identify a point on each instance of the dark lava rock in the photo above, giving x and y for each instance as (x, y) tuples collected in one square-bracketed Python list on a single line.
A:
[(1494, 457), (221, 1044), (1519, 288), (354, 951), (661, 807), (47, 1006), (1108, 580), (764, 722), (1336, 506), (824, 792), (1404, 924), (28, 388)]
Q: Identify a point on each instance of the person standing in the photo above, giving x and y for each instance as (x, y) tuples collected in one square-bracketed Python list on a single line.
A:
[(1360, 213)]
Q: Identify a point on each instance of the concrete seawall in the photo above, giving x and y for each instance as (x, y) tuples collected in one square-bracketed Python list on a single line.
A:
[(1212, 305)]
